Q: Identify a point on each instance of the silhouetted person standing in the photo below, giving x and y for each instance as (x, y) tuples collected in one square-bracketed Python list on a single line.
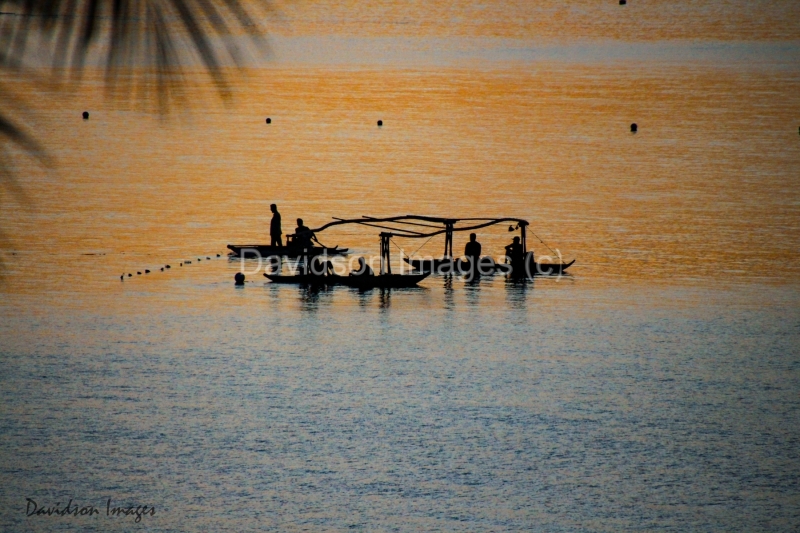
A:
[(472, 251), (275, 227), (473, 248), (516, 257)]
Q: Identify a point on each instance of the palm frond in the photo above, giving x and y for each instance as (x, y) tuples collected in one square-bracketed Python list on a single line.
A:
[(163, 36)]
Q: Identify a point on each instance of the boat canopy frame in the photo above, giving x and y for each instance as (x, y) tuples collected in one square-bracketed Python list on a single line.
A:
[(418, 221)]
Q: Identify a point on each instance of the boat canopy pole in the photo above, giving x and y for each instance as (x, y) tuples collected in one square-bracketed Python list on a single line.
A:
[(522, 226), (448, 238), (386, 266)]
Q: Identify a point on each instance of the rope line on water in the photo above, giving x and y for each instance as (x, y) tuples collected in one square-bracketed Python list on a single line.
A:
[(166, 267)]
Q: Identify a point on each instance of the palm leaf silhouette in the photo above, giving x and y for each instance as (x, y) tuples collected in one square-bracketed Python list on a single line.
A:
[(163, 36)]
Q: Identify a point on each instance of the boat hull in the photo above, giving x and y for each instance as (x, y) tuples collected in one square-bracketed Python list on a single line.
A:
[(263, 250)]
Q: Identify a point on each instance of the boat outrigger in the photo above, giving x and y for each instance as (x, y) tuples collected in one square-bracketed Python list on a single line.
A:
[(416, 227)]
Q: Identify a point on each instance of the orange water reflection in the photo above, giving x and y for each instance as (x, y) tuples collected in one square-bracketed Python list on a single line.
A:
[(707, 188)]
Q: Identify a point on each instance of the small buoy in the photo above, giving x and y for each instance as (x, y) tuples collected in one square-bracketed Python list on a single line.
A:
[(85, 115), (138, 273), (269, 120), (380, 123), (122, 277), (168, 266), (218, 255), (130, 275), (199, 259), (146, 271), (162, 269), (239, 278), (208, 258), (181, 264), (634, 128), (622, 2)]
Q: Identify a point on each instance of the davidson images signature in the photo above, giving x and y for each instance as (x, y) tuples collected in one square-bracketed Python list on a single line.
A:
[(33, 509)]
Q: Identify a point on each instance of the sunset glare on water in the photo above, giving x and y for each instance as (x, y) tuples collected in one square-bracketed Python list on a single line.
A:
[(655, 386)]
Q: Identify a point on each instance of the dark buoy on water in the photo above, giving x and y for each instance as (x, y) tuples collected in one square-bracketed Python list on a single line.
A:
[(130, 275), (122, 277), (380, 123), (218, 255), (634, 128), (85, 115), (269, 120), (138, 273), (162, 269), (622, 2), (239, 278), (146, 271), (168, 266)]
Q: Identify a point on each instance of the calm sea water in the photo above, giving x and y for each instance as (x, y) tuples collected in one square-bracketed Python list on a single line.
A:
[(657, 387)]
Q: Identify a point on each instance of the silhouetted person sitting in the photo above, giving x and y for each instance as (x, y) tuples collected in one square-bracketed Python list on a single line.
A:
[(516, 257), (303, 236), (321, 267), (363, 269), (275, 227)]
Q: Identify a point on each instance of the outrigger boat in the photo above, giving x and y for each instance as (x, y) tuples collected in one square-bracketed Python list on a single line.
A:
[(447, 264)]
